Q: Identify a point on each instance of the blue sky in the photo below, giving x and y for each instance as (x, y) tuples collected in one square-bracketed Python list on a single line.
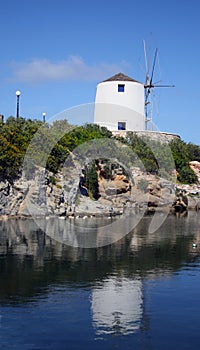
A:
[(56, 52)]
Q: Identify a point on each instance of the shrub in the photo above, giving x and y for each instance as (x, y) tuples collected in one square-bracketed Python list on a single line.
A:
[(186, 175)]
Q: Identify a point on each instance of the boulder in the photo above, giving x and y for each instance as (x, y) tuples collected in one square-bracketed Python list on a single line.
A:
[(154, 189), (195, 166)]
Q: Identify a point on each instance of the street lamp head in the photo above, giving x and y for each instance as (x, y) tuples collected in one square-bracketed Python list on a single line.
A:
[(44, 114), (18, 93)]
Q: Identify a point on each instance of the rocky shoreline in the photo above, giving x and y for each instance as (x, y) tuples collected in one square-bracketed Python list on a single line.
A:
[(46, 196)]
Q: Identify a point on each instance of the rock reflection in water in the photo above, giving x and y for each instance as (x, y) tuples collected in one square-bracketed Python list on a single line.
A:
[(91, 232), (32, 261), (27, 238)]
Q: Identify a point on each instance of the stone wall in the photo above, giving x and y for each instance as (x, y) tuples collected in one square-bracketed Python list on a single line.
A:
[(153, 135), (157, 136)]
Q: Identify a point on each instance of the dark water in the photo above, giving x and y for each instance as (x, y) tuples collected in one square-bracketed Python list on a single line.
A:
[(142, 292)]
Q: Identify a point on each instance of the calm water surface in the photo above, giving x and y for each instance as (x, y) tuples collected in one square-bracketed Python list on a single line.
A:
[(141, 292)]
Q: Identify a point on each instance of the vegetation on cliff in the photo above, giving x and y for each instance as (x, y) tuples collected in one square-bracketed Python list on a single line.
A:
[(183, 153), (16, 136), (161, 158)]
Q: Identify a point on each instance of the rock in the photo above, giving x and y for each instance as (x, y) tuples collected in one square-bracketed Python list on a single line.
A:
[(154, 188), (193, 203), (118, 185), (111, 191), (195, 166), (87, 206), (41, 196)]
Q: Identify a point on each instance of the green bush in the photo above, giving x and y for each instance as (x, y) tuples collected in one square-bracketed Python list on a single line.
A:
[(16, 135), (52, 180), (187, 176)]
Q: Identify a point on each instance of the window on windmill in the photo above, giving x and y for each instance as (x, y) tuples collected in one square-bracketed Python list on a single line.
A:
[(121, 125), (121, 87)]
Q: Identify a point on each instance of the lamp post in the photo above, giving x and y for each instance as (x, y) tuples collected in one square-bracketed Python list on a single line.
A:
[(18, 93), (44, 117)]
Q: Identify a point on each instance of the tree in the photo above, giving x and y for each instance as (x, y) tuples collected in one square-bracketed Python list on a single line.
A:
[(91, 181), (180, 154), (193, 152), (15, 136)]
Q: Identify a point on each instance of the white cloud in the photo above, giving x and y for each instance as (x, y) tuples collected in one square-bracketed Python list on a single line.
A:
[(74, 68)]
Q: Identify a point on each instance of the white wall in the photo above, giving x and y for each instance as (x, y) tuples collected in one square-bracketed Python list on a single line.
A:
[(112, 106)]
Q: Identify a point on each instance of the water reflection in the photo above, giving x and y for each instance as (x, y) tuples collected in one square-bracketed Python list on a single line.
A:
[(117, 306), (32, 263)]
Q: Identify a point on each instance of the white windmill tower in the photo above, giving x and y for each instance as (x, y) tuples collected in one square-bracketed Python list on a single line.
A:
[(123, 103), (119, 104)]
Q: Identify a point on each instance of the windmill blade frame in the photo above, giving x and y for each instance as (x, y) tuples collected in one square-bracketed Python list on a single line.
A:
[(149, 85), (154, 63), (160, 86)]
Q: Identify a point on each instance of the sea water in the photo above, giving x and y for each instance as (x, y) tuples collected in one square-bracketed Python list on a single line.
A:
[(139, 292)]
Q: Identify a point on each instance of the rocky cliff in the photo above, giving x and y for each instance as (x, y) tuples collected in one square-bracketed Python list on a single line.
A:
[(59, 195), (43, 195)]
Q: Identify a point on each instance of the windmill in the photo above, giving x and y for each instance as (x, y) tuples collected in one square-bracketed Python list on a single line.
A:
[(149, 85)]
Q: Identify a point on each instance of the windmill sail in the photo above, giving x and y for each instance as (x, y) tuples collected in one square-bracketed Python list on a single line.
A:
[(149, 85)]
